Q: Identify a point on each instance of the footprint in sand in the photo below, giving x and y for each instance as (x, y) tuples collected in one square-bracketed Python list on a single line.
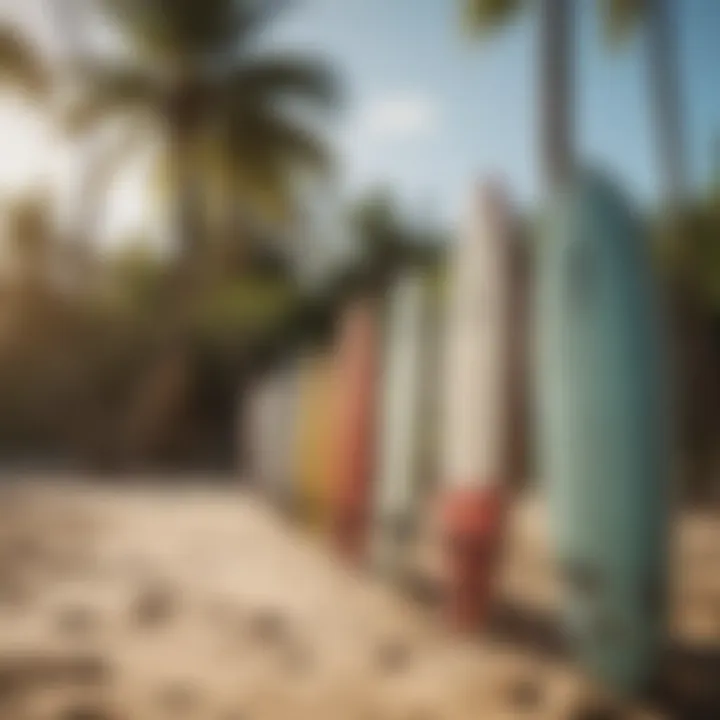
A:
[(155, 604)]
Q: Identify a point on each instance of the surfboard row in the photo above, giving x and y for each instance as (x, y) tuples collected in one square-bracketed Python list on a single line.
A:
[(422, 394), (341, 434)]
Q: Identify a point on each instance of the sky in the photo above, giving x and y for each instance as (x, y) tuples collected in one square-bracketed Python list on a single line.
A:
[(431, 108), (427, 109)]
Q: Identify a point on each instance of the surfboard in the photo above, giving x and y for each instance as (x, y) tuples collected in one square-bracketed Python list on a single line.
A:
[(248, 433), (243, 437), (278, 428), (289, 423), (404, 387), (261, 440), (303, 437), (314, 439), (476, 408), (603, 429), (354, 426)]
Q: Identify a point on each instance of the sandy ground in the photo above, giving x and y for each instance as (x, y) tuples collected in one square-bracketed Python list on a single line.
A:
[(137, 603)]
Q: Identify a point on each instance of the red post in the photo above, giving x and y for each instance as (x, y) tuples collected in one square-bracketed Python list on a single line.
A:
[(472, 521)]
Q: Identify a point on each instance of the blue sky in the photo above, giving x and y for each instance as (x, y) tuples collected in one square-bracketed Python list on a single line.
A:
[(428, 110)]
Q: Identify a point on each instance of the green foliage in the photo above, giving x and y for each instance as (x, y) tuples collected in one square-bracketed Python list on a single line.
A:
[(181, 31), (690, 251), (223, 112), (485, 16), (388, 243), (622, 17), (262, 79), (106, 91), (135, 278), (21, 65), (715, 169), (245, 308)]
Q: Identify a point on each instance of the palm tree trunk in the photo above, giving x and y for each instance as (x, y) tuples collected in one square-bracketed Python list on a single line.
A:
[(556, 81), (665, 88), (166, 382), (186, 210)]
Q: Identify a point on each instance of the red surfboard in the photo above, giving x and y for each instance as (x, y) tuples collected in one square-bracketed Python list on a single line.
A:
[(355, 421)]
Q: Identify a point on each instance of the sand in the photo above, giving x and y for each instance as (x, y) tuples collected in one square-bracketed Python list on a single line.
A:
[(202, 602)]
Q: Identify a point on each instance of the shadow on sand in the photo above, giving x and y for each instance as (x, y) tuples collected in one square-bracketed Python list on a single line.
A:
[(687, 689)]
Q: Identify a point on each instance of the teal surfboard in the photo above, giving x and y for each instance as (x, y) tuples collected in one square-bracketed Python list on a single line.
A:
[(603, 440)]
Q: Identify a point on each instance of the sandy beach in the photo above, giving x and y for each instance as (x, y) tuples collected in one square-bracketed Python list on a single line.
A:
[(165, 601)]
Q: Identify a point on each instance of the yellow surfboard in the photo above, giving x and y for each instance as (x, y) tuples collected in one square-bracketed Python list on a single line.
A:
[(313, 439)]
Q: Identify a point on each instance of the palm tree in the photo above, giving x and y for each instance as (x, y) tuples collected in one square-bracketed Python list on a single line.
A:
[(24, 69), (555, 66), (216, 105), (621, 18), (222, 114)]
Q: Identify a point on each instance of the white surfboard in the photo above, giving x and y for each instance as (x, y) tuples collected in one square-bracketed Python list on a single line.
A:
[(289, 410), (278, 428), (477, 411), (263, 434), (477, 349), (403, 406)]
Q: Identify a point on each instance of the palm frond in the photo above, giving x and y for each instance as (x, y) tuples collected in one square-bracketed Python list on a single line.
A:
[(255, 177), (267, 151), (102, 170), (273, 135), (106, 92), (266, 188), (621, 18), (190, 30), (277, 76), (20, 63), (242, 139), (253, 15), (483, 16)]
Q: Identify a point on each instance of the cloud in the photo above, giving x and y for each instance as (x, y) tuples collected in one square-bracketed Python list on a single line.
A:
[(399, 117)]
